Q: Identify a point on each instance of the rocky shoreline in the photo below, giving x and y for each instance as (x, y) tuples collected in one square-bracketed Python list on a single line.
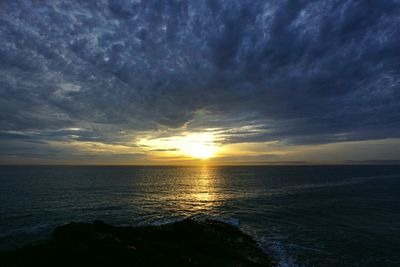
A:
[(183, 243)]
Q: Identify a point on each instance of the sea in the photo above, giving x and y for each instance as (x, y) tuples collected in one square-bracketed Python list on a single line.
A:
[(303, 215)]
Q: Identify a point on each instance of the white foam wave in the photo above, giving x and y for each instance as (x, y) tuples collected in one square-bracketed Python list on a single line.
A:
[(278, 251), (355, 180), (168, 220)]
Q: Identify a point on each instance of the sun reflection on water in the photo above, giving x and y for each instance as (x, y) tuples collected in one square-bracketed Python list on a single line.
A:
[(179, 192), (201, 194), (203, 187)]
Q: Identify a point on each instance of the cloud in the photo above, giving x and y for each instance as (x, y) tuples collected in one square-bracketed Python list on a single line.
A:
[(298, 72), (65, 89)]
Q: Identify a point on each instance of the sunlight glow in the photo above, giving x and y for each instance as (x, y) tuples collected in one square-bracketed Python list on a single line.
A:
[(198, 146), (191, 145)]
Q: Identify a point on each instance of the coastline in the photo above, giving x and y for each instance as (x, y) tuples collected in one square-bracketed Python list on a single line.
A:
[(183, 243)]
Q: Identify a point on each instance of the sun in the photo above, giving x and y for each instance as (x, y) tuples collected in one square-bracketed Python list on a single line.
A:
[(199, 150), (198, 145)]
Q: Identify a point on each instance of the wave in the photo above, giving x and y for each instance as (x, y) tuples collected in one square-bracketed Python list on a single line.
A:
[(351, 181), (33, 229), (270, 245), (105, 208), (277, 249), (167, 220), (200, 217)]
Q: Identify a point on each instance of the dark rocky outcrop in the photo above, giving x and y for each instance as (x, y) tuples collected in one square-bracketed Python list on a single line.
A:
[(184, 243)]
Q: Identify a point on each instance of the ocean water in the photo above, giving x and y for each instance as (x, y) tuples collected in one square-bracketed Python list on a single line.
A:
[(303, 215)]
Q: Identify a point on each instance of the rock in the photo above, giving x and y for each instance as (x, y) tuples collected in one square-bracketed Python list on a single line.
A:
[(184, 243)]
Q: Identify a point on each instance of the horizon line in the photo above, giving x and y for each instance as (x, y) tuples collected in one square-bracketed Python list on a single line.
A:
[(277, 163)]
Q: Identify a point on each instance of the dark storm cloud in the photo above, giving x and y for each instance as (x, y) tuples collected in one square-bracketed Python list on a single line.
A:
[(302, 71)]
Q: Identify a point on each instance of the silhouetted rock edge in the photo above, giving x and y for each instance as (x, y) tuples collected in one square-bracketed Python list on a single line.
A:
[(184, 243)]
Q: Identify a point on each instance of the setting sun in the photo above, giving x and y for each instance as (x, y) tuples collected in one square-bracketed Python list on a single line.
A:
[(198, 145), (199, 150), (190, 145)]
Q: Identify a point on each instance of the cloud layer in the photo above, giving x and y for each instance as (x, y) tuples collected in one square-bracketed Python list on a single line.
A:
[(298, 72)]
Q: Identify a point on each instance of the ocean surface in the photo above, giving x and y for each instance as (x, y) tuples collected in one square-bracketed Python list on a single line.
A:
[(303, 215)]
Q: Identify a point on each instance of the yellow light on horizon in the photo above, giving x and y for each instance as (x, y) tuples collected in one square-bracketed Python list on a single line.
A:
[(198, 145), (199, 150), (193, 145)]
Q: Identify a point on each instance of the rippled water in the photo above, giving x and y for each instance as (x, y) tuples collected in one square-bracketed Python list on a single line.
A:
[(304, 215)]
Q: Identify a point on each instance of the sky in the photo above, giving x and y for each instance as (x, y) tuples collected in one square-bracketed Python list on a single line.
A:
[(175, 81)]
